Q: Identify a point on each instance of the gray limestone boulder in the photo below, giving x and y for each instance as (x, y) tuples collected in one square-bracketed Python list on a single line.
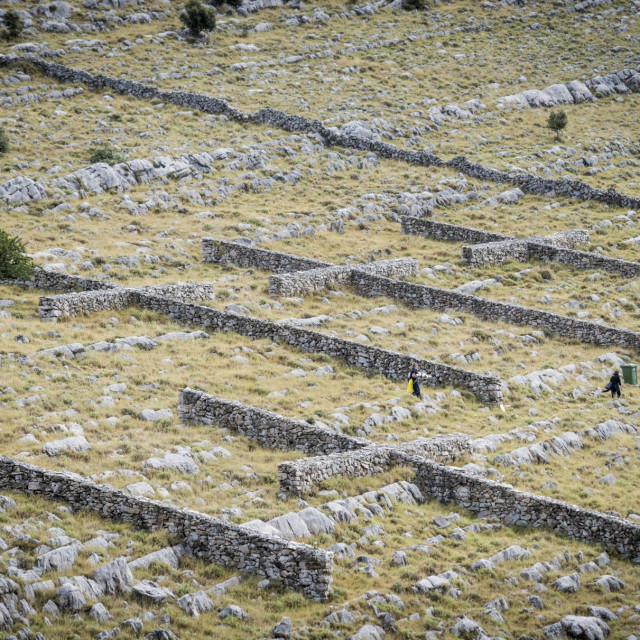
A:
[(609, 583), (69, 598), (73, 444), (567, 584), (153, 416), (282, 629), (61, 559), (180, 462), (19, 190), (368, 632), (194, 604), (114, 578), (148, 591), (232, 611), (220, 589), (316, 521), (99, 613), (291, 526), (169, 556), (578, 628)]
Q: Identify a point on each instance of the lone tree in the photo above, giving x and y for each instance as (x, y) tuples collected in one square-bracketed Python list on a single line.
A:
[(413, 5), (13, 24), (198, 18), (14, 262), (4, 141), (557, 122)]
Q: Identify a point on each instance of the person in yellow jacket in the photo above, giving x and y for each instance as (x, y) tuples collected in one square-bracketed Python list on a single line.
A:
[(413, 384)]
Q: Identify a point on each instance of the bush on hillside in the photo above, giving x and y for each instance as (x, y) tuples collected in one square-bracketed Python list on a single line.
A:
[(557, 122), (13, 24), (198, 18), (14, 262), (4, 141), (106, 153), (413, 5)]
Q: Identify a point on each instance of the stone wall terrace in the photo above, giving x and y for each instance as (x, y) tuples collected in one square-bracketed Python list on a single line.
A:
[(225, 252), (486, 498), (295, 565), (301, 476), (390, 364), (51, 308), (304, 282), (450, 232), (269, 429), (54, 281), (331, 136), (417, 295)]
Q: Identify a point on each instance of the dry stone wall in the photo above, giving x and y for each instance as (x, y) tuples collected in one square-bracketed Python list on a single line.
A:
[(518, 508), (269, 429), (296, 566), (54, 281), (417, 295), (331, 136), (451, 232), (246, 256), (300, 476), (51, 308), (304, 282)]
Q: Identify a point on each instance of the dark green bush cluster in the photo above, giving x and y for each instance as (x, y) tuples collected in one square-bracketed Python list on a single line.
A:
[(197, 17), (413, 5), (4, 141), (14, 262), (13, 24), (557, 122), (106, 153)]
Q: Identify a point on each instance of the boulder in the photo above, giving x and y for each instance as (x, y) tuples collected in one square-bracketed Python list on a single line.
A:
[(193, 604), (114, 578), (148, 591)]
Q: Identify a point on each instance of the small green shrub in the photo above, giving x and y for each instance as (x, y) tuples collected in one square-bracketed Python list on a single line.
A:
[(198, 18), (4, 141), (14, 262), (557, 122), (13, 24), (413, 5), (107, 154)]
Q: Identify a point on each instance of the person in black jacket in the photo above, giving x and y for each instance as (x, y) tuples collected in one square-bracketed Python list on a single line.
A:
[(413, 375), (615, 385)]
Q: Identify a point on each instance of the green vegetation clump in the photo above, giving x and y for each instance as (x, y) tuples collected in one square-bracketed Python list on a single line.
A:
[(413, 5), (4, 141), (198, 18), (14, 262), (13, 25), (557, 122), (106, 153)]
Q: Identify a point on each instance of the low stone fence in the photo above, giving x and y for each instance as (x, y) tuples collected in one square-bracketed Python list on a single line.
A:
[(245, 256), (50, 308), (269, 429), (331, 136), (296, 566), (491, 248), (486, 498), (304, 282), (51, 280), (417, 295), (390, 364), (451, 232), (583, 259), (300, 476)]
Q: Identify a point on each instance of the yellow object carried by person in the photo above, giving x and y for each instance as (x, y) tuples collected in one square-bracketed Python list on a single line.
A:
[(410, 385)]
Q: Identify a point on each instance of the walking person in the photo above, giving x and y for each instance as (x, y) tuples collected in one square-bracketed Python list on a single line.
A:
[(614, 385), (413, 384)]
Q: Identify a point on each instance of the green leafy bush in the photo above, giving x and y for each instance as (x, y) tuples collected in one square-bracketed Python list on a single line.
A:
[(413, 5), (557, 122), (4, 141), (198, 18), (14, 262), (107, 154), (13, 24)]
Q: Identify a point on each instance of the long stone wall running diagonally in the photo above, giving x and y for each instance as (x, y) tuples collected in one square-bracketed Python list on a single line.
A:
[(54, 281), (50, 308), (422, 296), (391, 364), (412, 225), (245, 256), (304, 282), (331, 136), (297, 566), (300, 476), (583, 259), (517, 508), (269, 429)]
